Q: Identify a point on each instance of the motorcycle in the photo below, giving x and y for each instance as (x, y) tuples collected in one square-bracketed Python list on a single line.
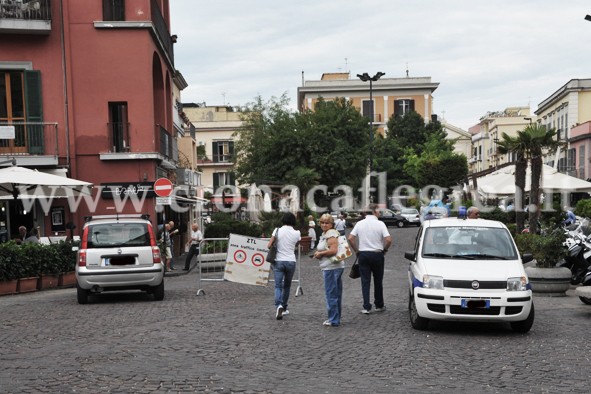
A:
[(578, 260)]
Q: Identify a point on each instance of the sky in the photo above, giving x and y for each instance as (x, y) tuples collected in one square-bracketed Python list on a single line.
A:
[(486, 55)]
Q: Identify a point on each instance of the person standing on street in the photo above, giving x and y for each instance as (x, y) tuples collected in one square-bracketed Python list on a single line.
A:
[(285, 262), (332, 272), (196, 237), (172, 232), (473, 213), (371, 240), (340, 224)]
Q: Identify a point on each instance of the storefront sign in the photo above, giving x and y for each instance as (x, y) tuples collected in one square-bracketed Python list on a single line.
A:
[(127, 189), (7, 132)]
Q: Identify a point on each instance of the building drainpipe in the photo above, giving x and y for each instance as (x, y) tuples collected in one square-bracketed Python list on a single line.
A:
[(65, 76)]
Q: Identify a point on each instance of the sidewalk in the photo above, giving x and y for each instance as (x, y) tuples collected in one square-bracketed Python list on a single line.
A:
[(179, 264)]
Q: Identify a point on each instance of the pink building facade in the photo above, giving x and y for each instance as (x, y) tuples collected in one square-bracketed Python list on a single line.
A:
[(88, 86), (580, 145)]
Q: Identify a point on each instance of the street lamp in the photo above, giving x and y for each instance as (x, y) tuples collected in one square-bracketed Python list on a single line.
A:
[(365, 77)]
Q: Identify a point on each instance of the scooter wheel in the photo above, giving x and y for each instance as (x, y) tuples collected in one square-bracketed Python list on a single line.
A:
[(586, 300)]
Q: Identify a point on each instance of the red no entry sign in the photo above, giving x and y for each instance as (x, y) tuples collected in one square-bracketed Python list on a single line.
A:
[(163, 187)]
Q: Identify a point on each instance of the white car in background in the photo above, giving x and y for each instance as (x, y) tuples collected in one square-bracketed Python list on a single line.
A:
[(468, 270), (412, 215)]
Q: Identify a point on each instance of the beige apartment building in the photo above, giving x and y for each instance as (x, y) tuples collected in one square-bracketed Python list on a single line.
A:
[(214, 129), (563, 110), (487, 133), (389, 95)]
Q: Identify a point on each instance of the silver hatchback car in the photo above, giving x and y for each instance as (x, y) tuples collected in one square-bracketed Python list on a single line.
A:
[(119, 253)]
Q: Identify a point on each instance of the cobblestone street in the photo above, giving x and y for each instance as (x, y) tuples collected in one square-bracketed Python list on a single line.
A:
[(228, 341)]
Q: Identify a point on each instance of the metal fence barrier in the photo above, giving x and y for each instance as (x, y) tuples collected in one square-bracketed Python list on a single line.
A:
[(211, 264)]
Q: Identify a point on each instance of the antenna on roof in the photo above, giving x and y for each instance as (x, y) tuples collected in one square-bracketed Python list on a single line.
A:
[(346, 65), (406, 69)]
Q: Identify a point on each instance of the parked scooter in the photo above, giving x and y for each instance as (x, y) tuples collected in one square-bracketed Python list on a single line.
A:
[(578, 260)]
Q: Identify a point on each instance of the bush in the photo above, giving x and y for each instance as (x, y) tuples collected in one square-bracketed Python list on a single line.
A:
[(583, 208), (546, 249), (224, 229), (31, 259)]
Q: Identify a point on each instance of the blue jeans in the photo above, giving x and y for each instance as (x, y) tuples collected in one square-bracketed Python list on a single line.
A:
[(283, 271), (372, 263), (333, 288)]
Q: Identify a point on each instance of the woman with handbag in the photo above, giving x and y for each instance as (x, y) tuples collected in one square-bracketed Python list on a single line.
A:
[(332, 270), (285, 261)]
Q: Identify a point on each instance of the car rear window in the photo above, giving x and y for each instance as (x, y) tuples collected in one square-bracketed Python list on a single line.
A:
[(473, 241), (117, 235)]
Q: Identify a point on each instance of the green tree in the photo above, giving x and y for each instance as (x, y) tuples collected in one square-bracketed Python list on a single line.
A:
[(331, 140), (539, 139), (516, 145)]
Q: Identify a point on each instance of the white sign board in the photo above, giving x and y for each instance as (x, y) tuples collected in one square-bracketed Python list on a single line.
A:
[(245, 261), (7, 132), (163, 200)]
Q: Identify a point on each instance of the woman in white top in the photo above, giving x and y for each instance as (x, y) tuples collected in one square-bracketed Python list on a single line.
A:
[(285, 262), (332, 272), (196, 237)]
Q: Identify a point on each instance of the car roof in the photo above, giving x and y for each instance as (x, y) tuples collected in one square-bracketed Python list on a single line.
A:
[(458, 222), (115, 220)]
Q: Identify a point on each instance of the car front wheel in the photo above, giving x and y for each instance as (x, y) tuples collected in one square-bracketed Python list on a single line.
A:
[(417, 322), (400, 224), (524, 325), (585, 300)]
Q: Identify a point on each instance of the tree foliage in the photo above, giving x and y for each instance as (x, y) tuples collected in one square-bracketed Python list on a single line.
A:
[(332, 141)]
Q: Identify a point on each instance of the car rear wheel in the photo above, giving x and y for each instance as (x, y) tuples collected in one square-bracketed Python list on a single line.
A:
[(158, 291), (585, 300), (417, 322), (524, 325), (400, 224), (82, 295)]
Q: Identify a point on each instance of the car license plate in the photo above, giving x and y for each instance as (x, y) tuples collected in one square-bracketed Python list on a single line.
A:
[(472, 304)]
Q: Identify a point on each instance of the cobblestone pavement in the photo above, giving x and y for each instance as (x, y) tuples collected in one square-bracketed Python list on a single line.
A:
[(228, 341)]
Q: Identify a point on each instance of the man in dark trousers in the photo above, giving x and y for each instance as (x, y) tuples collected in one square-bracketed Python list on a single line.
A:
[(370, 240)]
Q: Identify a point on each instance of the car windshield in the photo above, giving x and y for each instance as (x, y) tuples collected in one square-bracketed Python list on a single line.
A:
[(118, 235), (410, 211), (468, 243)]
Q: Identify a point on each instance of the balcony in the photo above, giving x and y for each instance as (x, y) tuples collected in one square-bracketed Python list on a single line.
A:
[(31, 143), (25, 16)]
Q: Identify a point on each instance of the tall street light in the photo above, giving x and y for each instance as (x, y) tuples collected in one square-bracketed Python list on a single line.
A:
[(365, 77)]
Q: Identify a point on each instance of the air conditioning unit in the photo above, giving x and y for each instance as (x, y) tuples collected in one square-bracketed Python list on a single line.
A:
[(201, 143)]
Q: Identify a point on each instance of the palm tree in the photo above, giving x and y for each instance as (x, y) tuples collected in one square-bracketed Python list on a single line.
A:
[(516, 145), (538, 139)]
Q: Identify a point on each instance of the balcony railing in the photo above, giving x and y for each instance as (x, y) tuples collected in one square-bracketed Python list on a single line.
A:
[(30, 138), (215, 160), (25, 16), (168, 145), (162, 29)]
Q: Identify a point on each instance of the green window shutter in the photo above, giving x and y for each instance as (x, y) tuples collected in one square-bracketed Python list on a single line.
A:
[(216, 157), (216, 181), (231, 151), (34, 110), (232, 178)]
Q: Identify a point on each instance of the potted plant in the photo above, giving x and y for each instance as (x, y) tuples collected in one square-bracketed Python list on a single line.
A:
[(10, 272), (545, 277)]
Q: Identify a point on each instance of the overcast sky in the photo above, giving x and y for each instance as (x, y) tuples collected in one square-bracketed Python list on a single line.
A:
[(485, 54)]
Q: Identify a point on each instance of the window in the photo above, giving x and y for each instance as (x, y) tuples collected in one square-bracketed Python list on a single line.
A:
[(582, 161), (114, 10), (118, 127), (223, 151), (223, 179), (367, 109), (402, 107), (21, 106)]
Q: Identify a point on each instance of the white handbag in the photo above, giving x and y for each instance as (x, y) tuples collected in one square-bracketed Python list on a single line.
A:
[(343, 251)]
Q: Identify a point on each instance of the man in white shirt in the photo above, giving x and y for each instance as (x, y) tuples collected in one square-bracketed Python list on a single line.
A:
[(370, 239), (340, 224)]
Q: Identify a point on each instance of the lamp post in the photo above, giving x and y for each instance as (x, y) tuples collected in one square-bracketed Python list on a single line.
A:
[(365, 77)]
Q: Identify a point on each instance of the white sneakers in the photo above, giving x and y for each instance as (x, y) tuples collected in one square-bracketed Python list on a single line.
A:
[(279, 314)]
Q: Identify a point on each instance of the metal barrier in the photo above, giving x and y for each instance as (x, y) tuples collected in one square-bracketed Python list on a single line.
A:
[(211, 264)]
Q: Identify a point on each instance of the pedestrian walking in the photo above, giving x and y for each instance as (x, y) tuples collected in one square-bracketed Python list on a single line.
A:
[(370, 240), (332, 272), (285, 262), (171, 233), (340, 224), (167, 246), (196, 237), (312, 235)]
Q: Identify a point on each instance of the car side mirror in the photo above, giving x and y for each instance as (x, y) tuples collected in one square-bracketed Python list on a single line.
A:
[(526, 258), (410, 255)]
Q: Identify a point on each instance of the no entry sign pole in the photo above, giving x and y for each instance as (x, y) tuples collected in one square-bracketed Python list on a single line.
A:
[(163, 188)]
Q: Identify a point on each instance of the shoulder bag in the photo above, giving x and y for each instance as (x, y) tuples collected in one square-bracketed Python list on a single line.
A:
[(343, 251), (272, 253), (354, 273)]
